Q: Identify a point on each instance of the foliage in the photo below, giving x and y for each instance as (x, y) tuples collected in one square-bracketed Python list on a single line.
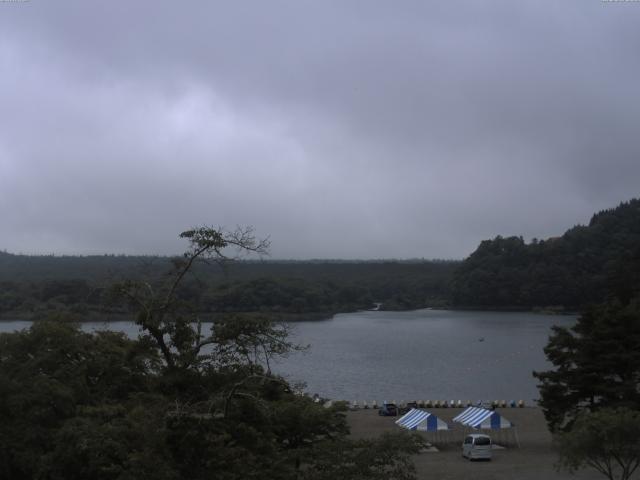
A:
[(168, 320), (597, 364), (33, 286), (176, 403), (607, 440), (586, 265), (51, 373), (382, 459), (75, 405)]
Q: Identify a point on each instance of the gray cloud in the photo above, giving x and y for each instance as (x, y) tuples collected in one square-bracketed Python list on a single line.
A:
[(340, 129)]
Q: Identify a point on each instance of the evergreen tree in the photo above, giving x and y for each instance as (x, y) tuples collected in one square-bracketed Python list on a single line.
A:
[(597, 364)]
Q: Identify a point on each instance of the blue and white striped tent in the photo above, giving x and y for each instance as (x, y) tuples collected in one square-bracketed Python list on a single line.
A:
[(421, 420), (482, 418)]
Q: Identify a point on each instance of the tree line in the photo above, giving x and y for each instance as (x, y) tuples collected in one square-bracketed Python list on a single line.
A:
[(584, 266), (565, 273), (279, 288)]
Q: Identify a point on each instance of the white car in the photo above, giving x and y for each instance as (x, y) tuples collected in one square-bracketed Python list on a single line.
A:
[(477, 446)]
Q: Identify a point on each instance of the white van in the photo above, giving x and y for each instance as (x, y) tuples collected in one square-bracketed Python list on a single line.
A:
[(477, 446)]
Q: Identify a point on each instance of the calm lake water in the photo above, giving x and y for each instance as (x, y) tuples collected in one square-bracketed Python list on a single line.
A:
[(416, 355)]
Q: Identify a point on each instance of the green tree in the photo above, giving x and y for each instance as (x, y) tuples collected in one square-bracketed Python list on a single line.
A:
[(176, 403), (607, 440), (51, 374), (174, 325), (110, 442), (597, 364), (587, 264), (388, 457)]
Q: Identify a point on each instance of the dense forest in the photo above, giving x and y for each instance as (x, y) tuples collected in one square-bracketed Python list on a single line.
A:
[(585, 265), (563, 273), (33, 286)]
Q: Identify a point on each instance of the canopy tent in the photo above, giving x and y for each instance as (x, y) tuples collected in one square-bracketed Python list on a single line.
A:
[(421, 420), (481, 418)]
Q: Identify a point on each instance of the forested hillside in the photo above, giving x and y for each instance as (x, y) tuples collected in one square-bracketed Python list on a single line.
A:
[(583, 266), (31, 286)]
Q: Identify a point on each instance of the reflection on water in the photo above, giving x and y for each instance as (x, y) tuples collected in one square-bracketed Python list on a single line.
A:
[(417, 355)]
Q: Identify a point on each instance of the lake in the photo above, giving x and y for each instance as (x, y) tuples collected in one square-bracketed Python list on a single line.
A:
[(415, 355)]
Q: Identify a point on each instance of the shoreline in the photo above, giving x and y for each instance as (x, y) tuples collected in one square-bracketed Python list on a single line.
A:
[(90, 317), (94, 317)]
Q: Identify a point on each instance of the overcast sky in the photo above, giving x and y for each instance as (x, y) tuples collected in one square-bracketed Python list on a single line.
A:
[(341, 129)]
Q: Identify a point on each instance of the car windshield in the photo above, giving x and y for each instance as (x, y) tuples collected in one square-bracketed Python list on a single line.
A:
[(483, 441)]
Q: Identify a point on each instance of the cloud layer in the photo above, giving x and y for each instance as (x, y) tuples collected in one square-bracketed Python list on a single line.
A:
[(341, 129)]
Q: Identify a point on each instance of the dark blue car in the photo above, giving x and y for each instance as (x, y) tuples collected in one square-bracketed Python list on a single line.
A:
[(388, 410)]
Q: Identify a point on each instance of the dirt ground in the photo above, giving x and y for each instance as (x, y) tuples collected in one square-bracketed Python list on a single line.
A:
[(534, 459)]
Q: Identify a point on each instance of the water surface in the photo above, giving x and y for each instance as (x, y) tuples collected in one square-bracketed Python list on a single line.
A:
[(416, 355), (423, 354)]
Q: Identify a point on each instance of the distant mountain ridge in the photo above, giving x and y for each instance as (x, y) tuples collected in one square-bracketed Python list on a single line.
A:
[(585, 265)]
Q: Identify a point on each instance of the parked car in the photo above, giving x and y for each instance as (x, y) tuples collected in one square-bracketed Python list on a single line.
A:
[(477, 446), (406, 408), (388, 410)]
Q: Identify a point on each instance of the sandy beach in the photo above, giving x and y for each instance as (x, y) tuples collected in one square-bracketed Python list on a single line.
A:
[(535, 459)]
